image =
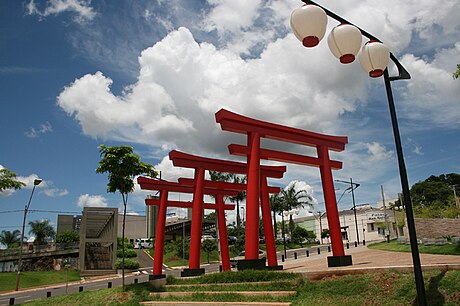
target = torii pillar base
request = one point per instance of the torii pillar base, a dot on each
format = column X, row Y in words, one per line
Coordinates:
column 187, row 272
column 275, row 268
column 339, row 261
column 156, row 276
column 251, row 264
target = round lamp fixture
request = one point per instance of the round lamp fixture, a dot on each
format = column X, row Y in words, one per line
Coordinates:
column 309, row 24
column 374, row 58
column 344, row 42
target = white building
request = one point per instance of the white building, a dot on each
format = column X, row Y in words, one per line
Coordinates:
column 368, row 224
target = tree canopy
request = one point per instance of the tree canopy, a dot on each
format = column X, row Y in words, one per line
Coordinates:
column 457, row 73
column 10, row 239
column 434, row 197
column 42, row 230
column 122, row 165
column 8, row 180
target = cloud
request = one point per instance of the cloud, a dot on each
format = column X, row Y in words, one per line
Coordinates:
column 86, row 200
column 81, row 9
column 42, row 129
column 379, row 152
column 55, row 192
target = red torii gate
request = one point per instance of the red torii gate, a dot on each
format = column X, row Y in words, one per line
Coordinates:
column 165, row 187
column 255, row 130
column 266, row 216
column 200, row 164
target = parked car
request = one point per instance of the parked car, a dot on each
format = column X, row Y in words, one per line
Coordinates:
column 207, row 237
column 143, row 243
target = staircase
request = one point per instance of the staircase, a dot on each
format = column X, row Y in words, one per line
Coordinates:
column 254, row 294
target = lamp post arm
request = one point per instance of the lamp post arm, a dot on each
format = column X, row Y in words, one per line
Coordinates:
column 403, row 74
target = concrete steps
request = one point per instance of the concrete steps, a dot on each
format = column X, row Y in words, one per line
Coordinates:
column 186, row 292
column 243, row 293
column 169, row 303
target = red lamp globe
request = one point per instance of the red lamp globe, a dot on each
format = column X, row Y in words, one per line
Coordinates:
column 344, row 42
column 309, row 24
column 374, row 58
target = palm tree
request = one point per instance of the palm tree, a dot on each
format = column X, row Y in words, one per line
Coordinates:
column 10, row 239
column 276, row 206
column 232, row 178
column 42, row 230
column 295, row 199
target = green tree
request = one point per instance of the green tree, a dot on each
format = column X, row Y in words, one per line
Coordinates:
column 10, row 239
column 300, row 234
column 42, row 230
column 325, row 233
column 68, row 237
column 8, row 180
column 456, row 74
column 208, row 246
column 295, row 199
column 236, row 179
column 122, row 165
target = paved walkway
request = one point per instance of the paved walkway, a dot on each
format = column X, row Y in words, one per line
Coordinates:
column 365, row 260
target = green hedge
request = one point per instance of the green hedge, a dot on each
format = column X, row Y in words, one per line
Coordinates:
column 131, row 264
column 129, row 253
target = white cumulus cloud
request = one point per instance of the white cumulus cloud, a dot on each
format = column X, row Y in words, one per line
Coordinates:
column 86, row 200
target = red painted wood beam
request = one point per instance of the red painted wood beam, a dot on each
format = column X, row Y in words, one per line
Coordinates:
column 181, row 204
column 181, row 159
column 268, row 154
column 152, row 184
column 237, row 123
column 224, row 185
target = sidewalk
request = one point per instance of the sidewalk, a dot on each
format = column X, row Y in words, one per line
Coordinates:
column 368, row 260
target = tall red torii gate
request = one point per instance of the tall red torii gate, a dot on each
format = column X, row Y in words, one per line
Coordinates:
column 165, row 187
column 200, row 164
column 257, row 129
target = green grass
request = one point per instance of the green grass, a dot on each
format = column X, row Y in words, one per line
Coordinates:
column 33, row 279
column 234, row 277
column 448, row 249
column 388, row 288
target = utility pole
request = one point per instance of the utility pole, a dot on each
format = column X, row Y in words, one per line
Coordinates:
column 385, row 214
column 457, row 202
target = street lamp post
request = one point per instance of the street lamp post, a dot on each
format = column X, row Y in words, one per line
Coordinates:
column 287, row 213
column 320, row 215
column 353, row 186
column 309, row 26
column 26, row 208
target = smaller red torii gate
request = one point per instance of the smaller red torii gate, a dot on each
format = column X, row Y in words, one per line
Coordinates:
column 257, row 129
column 266, row 216
column 165, row 187
column 200, row 164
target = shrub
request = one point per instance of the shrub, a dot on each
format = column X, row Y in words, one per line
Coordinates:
column 129, row 253
column 130, row 264
column 67, row 237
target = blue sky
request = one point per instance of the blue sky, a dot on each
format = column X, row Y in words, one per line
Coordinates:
column 151, row 74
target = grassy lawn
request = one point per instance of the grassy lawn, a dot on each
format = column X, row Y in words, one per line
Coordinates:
column 448, row 249
column 33, row 279
column 388, row 288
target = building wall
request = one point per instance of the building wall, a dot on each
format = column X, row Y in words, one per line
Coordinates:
column 436, row 228
column 136, row 227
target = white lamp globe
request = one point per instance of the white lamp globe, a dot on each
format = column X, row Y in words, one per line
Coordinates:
column 374, row 58
column 309, row 24
column 344, row 42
